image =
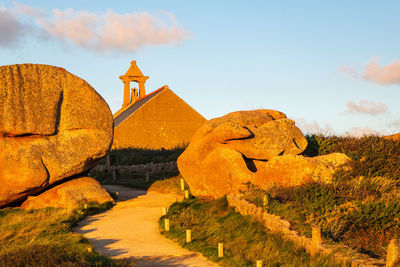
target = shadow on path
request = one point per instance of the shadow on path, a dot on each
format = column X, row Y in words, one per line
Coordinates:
column 130, row 229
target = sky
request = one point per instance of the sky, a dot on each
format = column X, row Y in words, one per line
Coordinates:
column 331, row 66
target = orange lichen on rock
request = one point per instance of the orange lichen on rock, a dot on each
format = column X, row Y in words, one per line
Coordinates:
column 259, row 146
column 53, row 125
column 394, row 137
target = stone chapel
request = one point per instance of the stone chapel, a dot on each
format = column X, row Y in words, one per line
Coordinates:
column 158, row 120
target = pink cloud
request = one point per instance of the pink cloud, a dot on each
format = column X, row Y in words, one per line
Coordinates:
column 383, row 75
column 11, row 29
column 389, row 74
column 107, row 31
column 366, row 107
column 364, row 131
column 313, row 127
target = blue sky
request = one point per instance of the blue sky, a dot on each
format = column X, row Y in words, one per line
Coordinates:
column 332, row 66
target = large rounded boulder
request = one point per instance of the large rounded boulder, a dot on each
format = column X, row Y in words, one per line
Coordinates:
column 53, row 125
column 259, row 146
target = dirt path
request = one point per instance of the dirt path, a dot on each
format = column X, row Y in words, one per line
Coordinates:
column 130, row 229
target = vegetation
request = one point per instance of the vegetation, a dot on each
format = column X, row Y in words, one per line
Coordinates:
column 136, row 180
column 245, row 240
column 171, row 185
column 361, row 208
column 45, row 238
column 135, row 156
column 372, row 155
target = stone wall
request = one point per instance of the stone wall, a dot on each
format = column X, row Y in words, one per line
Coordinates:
column 341, row 253
column 140, row 168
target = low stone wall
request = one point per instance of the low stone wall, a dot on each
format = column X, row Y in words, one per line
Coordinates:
column 140, row 168
column 341, row 253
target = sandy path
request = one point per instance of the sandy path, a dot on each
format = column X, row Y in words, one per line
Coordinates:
column 130, row 229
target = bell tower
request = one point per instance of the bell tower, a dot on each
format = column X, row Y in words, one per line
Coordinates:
column 133, row 74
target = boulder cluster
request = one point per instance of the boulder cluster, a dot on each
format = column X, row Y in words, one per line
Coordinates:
column 53, row 127
column 260, row 146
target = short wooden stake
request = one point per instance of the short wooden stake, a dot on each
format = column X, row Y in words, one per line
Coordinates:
column 164, row 211
column 166, row 224
column 182, row 185
column 186, row 194
column 188, row 236
column 393, row 253
column 316, row 237
column 108, row 162
column 114, row 171
column 259, row 263
column 220, row 250
column 147, row 177
column 265, row 201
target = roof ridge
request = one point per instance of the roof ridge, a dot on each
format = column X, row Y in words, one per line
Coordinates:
column 120, row 116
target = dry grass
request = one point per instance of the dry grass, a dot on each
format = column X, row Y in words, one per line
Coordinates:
column 245, row 240
column 169, row 186
column 44, row 237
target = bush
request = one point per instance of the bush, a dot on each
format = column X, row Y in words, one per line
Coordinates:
column 372, row 155
column 135, row 156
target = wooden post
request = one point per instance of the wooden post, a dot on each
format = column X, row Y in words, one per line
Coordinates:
column 188, row 236
column 182, row 185
column 114, row 175
column 316, row 238
column 166, row 224
column 393, row 253
column 265, row 201
column 147, row 177
column 108, row 162
column 259, row 263
column 186, row 194
column 164, row 211
column 220, row 250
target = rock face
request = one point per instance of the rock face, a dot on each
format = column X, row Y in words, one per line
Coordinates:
column 259, row 146
column 69, row 195
column 394, row 137
column 53, row 125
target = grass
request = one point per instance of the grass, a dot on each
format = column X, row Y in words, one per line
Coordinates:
column 361, row 208
column 44, row 237
column 169, row 186
column 135, row 180
column 134, row 157
column 245, row 240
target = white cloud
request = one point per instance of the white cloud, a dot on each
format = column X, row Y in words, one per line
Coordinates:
column 107, row 31
column 11, row 29
column 364, row 131
column 366, row 107
column 313, row 127
column 383, row 75
column 27, row 10
column 395, row 124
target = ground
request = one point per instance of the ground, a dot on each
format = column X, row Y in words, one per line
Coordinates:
column 130, row 229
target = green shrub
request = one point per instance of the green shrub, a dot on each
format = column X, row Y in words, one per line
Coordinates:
column 372, row 155
column 135, row 156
